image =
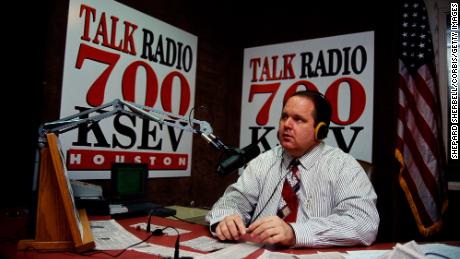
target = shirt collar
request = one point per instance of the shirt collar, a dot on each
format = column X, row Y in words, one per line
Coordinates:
column 307, row 160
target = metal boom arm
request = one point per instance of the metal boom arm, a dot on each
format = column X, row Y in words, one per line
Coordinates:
column 118, row 106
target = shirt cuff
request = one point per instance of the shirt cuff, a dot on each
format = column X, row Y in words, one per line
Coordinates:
column 305, row 234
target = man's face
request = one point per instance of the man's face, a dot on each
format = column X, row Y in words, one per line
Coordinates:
column 296, row 126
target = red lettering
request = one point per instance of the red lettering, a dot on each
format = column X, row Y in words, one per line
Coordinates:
column 270, row 69
column 129, row 39
column 254, row 64
column 113, row 34
column 293, row 88
column 288, row 69
column 166, row 93
column 89, row 13
column 129, row 83
column 83, row 159
column 95, row 95
column 357, row 100
column 274, row 64
column 272, row 89
column 108, row 37
column 265, row 70
column 102, row 31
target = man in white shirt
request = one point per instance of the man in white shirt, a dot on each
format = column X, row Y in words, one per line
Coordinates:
column 325, row 199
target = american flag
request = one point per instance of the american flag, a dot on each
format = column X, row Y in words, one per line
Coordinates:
column 419, row 143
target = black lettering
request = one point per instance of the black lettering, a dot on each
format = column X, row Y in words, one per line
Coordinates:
column 307, row 58
column 262, row 139
column 172, row 136
column 147, row 46
column 179, row 55
column 187, row 51
column 346, row 55
column 320, row 65
column 170, row 52
column 159, row 50
column 335, row 62
column 354, row 63
column 124, row 130
column 146, row 132
column 84, row 129
column 341, row 141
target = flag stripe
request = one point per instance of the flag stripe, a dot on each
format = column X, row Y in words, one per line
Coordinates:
column 416, row 199
column 425, row 145
column 415, row 125
column 424, row 186
column 418, row 143
column 416, row 164
column 422, row 111
column 424, row 82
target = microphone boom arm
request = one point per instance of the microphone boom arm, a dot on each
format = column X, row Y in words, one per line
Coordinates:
column 203, row 128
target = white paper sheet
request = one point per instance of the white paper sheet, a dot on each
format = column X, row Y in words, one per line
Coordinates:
column 109, row 235
column 365, row 254
column 163, row 251
column 206, row 244
column 168, row 231
column 320, row 255
column 240, row 250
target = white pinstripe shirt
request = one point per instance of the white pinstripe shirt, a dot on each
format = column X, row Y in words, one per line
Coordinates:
column 337, row 200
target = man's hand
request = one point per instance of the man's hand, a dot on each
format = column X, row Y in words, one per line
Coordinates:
column 231, row 228
column 272, row 230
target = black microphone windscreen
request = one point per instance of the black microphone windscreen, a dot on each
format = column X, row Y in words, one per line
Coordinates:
column 242, row 157
column 251, row 152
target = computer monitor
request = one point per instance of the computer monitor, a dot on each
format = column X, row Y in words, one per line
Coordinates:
column 128, row 181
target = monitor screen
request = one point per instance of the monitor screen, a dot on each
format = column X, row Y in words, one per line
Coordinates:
column 128, row 181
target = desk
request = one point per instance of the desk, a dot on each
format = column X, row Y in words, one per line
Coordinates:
column 195, row 215
column 8, row 249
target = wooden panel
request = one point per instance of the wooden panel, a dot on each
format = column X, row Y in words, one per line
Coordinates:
column 59, row 225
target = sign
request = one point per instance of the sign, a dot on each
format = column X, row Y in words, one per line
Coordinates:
column 340, row 67
column 115, row 52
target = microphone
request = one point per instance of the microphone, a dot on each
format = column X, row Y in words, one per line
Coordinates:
column 147, row 228
column 238, row 159
column 214, row 141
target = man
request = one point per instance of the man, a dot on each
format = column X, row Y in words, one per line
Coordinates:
column 302, row 193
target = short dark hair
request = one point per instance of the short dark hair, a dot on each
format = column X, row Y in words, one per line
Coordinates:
column 323, row 109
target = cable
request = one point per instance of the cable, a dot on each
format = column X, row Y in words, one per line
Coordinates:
column 274, row 190
column 190, row 118
column 273, row 193
column 271, row 196
column 159, row 232
column 436, row 254
column 155, row 232
column 121, row 252
column 147, row 228
column 176, row 245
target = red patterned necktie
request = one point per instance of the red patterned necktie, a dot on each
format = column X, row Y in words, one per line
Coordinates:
column 288, row 210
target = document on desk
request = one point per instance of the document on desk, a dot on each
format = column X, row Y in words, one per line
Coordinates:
column 163, row 251
column 117, row 208
column 320, row 255
column 167, row 230
column 109, row 235
column 409, row 250
column 239, row 250
column 365, row 254
column 206, row 244
column 437, row 250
